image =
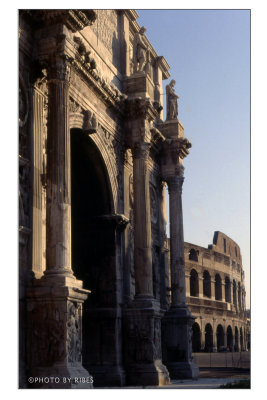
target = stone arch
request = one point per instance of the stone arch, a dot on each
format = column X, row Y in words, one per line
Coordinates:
column 227, row 289
column 206, row 284
column 194, row 285
column 95, row 250
column 208, row 337
column 196, row 337
column 218, row 287
column 76, row 122
column 220, row 337
column 229, row 335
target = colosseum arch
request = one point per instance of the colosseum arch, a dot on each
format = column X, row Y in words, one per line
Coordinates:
column 218, row 287
column 206, row 284
column 220, row 337
column 227, row 289
column 194, row 285
column 229, row 335
column 196, row 337
column 208, row 337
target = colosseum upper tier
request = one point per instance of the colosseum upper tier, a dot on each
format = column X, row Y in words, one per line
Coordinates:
column 215, row 293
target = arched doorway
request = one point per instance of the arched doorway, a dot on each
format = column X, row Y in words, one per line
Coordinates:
column 229, row 338
column 196, row 338
column 194, row 283
column 220, row 337
column 94, row 257
column 208, row 337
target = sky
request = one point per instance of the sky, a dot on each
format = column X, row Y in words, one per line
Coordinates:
column 209, row 55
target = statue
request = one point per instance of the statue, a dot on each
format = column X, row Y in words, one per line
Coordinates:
column 140, row 50
column 172, row 97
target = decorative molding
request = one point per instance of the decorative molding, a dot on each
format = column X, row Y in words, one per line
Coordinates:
column 75, row 20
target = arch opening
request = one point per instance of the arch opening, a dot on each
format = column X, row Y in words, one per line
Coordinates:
column 94, row 249
column 206, row 284
column 220, row 337
column 229, row 335
column 218, row 287
column 208, row 338
column 194, row 288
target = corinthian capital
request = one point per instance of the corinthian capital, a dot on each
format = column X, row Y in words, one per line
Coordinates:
column 175, row 184
column 141, row 150
column 59, row 68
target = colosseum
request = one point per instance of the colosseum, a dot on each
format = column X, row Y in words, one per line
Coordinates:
column 215, row 294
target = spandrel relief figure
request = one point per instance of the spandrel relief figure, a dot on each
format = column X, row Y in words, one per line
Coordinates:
column 140, row 50
column 172, row 101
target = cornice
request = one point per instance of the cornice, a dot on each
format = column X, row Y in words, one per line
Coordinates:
column 75, row 20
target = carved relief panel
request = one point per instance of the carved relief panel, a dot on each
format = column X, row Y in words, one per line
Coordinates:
column 106, row 29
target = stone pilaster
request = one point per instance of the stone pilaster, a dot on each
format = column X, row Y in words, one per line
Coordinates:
column 54, row 302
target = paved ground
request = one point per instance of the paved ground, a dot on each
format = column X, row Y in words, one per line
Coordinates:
column 215, row 369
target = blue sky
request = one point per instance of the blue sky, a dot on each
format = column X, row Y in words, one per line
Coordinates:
column 209, row 55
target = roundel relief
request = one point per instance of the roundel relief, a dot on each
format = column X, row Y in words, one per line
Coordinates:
column 154, row 205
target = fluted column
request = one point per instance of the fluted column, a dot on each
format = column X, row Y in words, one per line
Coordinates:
column 58, row 170
column 142, row 222
column 177, row 241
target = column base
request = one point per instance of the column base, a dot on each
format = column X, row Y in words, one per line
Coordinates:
column 54, row 334
column 60, row 376
column 183, row 370
column 177, row 343
column 106, row 376
column 153, row 374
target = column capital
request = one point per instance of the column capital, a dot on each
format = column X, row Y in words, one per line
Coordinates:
column 141, row 150
column 59, row 68
column 175, row 183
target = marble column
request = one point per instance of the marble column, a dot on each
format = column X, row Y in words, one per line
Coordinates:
column 142, row 222
column 58, row 172
column 177, row 242
column 177, row 323
column 54, row 302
